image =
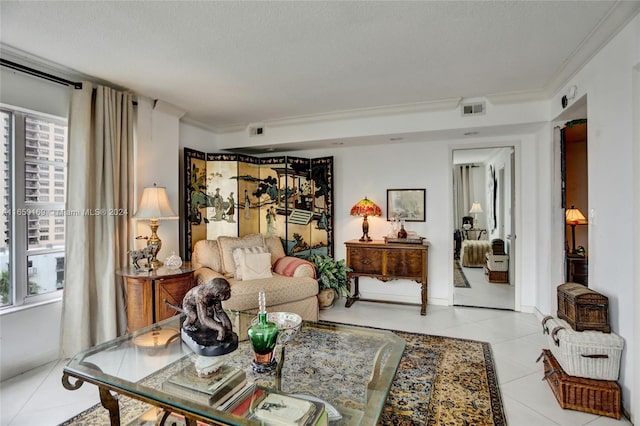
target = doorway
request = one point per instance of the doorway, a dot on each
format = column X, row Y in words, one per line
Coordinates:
column 484, row 224
column 575, row 200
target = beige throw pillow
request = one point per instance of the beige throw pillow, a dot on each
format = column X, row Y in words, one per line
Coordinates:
column 274, row 246
column 227, row 244
column 257, row 266
column 207, row 254
column 239, row 258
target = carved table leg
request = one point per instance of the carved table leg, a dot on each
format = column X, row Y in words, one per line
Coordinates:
column 423, row 307
column 67, row 384
column 110, row 403
column 165, row 415
column 354, row 294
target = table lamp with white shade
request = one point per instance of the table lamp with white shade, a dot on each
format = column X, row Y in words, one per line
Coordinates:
column 154, row 205
column 475, row 209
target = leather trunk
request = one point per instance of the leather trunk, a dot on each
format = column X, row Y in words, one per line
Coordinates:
column 583, row 308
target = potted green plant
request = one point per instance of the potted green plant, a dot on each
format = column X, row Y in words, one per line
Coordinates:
column 332, row 278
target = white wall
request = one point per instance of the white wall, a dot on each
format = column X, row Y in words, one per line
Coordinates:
column 635, row 346
column 18, row 89
column 395, row 123
column 416, row 165
column 608, row 82
column 196, row 138
column 157, row 161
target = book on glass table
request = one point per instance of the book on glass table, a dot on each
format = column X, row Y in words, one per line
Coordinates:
column 278, row 409
column 213, row 390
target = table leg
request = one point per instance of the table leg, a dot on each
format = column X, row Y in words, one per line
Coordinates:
column 423, row 307
column 110, row 403
column 68, row 385
column 165, row 415
column 355, row 295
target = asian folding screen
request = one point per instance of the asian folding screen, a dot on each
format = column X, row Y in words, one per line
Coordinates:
column 237, row 195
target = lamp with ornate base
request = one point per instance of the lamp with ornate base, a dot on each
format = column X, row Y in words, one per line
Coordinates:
column 574, row 217
column 365, row 207
column 154, row 205
column 475, row 209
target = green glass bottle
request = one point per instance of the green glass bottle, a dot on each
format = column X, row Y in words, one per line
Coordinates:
column 263, row 336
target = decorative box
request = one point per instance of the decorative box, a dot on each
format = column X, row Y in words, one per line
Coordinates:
column 600, row 397
column 589, row 354
column 583, row 308
column 497, row 246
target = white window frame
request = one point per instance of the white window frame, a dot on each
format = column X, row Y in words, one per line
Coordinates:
column 19, row 247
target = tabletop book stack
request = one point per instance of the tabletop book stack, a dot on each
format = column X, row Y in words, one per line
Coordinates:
column 227, row 390
column 214, row 390
column 259, row 405
column 273, row 408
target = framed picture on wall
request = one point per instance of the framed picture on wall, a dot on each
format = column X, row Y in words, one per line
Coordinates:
column 406, row 204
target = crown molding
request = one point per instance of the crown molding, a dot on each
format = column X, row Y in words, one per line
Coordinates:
column 41, row 64
column 518, row 97
column 186, row 119
column 418, row 107
column 609, row 26
column 168, row 108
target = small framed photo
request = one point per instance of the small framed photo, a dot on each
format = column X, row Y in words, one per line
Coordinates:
column 406, row 204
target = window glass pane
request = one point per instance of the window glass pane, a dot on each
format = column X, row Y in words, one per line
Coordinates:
column 5, row 199
column 45, row 273
column 39, row 177
column 37, row 142
column 39, row 230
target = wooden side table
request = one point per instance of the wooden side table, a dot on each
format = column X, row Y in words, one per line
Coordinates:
column 386, row 262
column 148, row 290
column 577, row 269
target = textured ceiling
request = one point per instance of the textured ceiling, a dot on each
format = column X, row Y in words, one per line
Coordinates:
column 233, row 63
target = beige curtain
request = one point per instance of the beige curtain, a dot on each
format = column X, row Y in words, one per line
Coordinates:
column 461, row 193
column 100, row 187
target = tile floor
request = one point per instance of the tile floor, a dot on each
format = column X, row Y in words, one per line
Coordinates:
column 482, row 293
column 37, row 398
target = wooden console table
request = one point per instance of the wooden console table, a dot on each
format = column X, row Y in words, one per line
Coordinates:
column 147, row 291
column 386, row 262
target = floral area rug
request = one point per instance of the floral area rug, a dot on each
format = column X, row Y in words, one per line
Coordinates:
column 459, row 279
column 440, row 381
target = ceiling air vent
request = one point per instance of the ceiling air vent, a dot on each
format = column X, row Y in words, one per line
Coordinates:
column 473, row 109
column 256, row 129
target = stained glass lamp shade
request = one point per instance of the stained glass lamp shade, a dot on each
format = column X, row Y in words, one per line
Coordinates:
column 365, row 208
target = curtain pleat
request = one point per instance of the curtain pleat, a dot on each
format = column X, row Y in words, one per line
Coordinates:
column 462, row 193
column 100, row 181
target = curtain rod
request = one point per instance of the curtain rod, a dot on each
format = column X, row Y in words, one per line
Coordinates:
column 40, row 74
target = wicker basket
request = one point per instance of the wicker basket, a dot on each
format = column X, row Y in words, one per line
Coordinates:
column 600, row 397
column 588, row 354
column 498, row 262
column 501, row 277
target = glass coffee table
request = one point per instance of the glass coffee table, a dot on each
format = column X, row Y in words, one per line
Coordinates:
column 349, row 367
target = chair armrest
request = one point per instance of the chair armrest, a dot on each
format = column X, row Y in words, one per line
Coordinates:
column 204, row 275
column 294, row 267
